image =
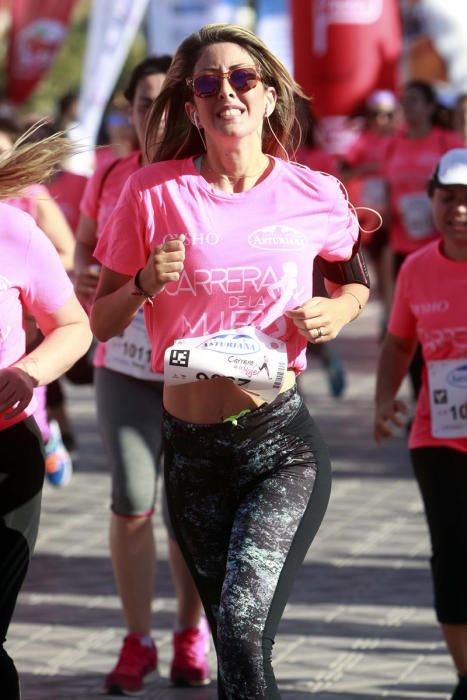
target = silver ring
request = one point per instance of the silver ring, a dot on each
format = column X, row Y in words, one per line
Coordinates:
column 320, row 332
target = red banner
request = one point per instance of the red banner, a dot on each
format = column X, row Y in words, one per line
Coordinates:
column 38, row 28
column 345, row 49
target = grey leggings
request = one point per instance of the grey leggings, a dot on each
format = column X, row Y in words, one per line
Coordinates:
column 246, row 502
column 129, row 413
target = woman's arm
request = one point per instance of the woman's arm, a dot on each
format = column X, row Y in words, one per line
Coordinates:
column 67, row 338
column 85, row 264
column 394, row 360
column 118, row 298
column 52, row 221
column 329, row 315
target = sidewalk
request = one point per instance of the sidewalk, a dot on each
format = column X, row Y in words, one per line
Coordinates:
column 359, row 624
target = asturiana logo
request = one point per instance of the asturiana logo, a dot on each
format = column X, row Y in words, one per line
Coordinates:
column 231, row 343
column 458, row 376
column 280, row 238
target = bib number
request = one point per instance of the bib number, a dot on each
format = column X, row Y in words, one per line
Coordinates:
column 130, row 352
column 248, row 357
column 374, row 193
column 447, row 384
column 416, row 215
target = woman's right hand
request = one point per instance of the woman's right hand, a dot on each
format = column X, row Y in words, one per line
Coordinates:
column 85, row 283
column 16, row 391
column 389, row 414
column 165, row 264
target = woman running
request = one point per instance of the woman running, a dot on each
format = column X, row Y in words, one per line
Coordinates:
column 427, row 310
column 34, row 282
column 129, row 413
column 217, row 240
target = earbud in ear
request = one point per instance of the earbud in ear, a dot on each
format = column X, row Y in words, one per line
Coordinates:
column 196, row 119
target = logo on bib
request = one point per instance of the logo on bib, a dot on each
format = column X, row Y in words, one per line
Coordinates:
column 231, row 343
column 280, row 238
column 458, row 376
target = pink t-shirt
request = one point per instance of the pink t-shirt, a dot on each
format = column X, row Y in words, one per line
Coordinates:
column 249, row 255
column 428, row 303
column 317, row 159
column 100, row 199
column 409, row 164
column 370, row 189
column 104, row 187
column 27, row 200
column 67, row 188
column 32, row 278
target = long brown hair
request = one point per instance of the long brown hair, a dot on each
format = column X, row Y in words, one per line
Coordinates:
column 169, row 132
column 27, row 163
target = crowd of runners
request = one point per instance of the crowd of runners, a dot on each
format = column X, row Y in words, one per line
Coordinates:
column 214, row 249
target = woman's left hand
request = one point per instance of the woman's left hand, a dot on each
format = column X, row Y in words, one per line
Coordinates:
column 16, row 390
column 320, row 319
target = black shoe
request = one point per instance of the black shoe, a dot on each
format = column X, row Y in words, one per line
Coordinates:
column 9, row 681
column 460, row 691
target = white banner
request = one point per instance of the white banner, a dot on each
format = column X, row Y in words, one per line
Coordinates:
column 113, row 26
column 274, row 27
column 169, row 22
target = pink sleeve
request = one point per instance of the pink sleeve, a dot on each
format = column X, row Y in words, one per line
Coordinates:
column 89, row 204
column 453, row 140
column 354, row 154
column 47, row 286
column 124, row 243
column 342, row 226
column 402, row 321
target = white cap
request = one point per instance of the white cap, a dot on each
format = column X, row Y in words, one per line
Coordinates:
column 382, row 99
column 452, row 168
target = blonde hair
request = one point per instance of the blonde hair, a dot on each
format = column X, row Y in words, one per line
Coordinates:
column 27, row 163
column 169, row 132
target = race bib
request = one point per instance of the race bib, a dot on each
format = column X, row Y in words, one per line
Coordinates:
column 447, row 385
column 374, row 193
column 130, row 352
column 248, row 357
column 416, row 215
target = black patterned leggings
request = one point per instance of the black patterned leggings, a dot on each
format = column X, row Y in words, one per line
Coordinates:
column 245, row 502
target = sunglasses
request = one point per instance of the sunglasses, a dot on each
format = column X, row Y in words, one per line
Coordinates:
column 208, row 84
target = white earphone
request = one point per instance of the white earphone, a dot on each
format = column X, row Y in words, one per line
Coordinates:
column 196, row 119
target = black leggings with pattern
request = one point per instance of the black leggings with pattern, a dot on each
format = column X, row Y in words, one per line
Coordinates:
column 245, row 502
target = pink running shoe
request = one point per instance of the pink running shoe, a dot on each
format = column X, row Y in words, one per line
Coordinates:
column 136, row 664
column 190, row 662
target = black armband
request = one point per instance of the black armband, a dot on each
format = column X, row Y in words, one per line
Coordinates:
column 346, row 271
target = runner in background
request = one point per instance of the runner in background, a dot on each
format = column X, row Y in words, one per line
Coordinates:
column 459, row 118
column 217, row 239
column 428, row 308
column 66, row 189
column 129, row 408
column 37, row 202
column 311, row 154
column 410, row 159
column 363, row 174
column 32, row 282
column 117, row 136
